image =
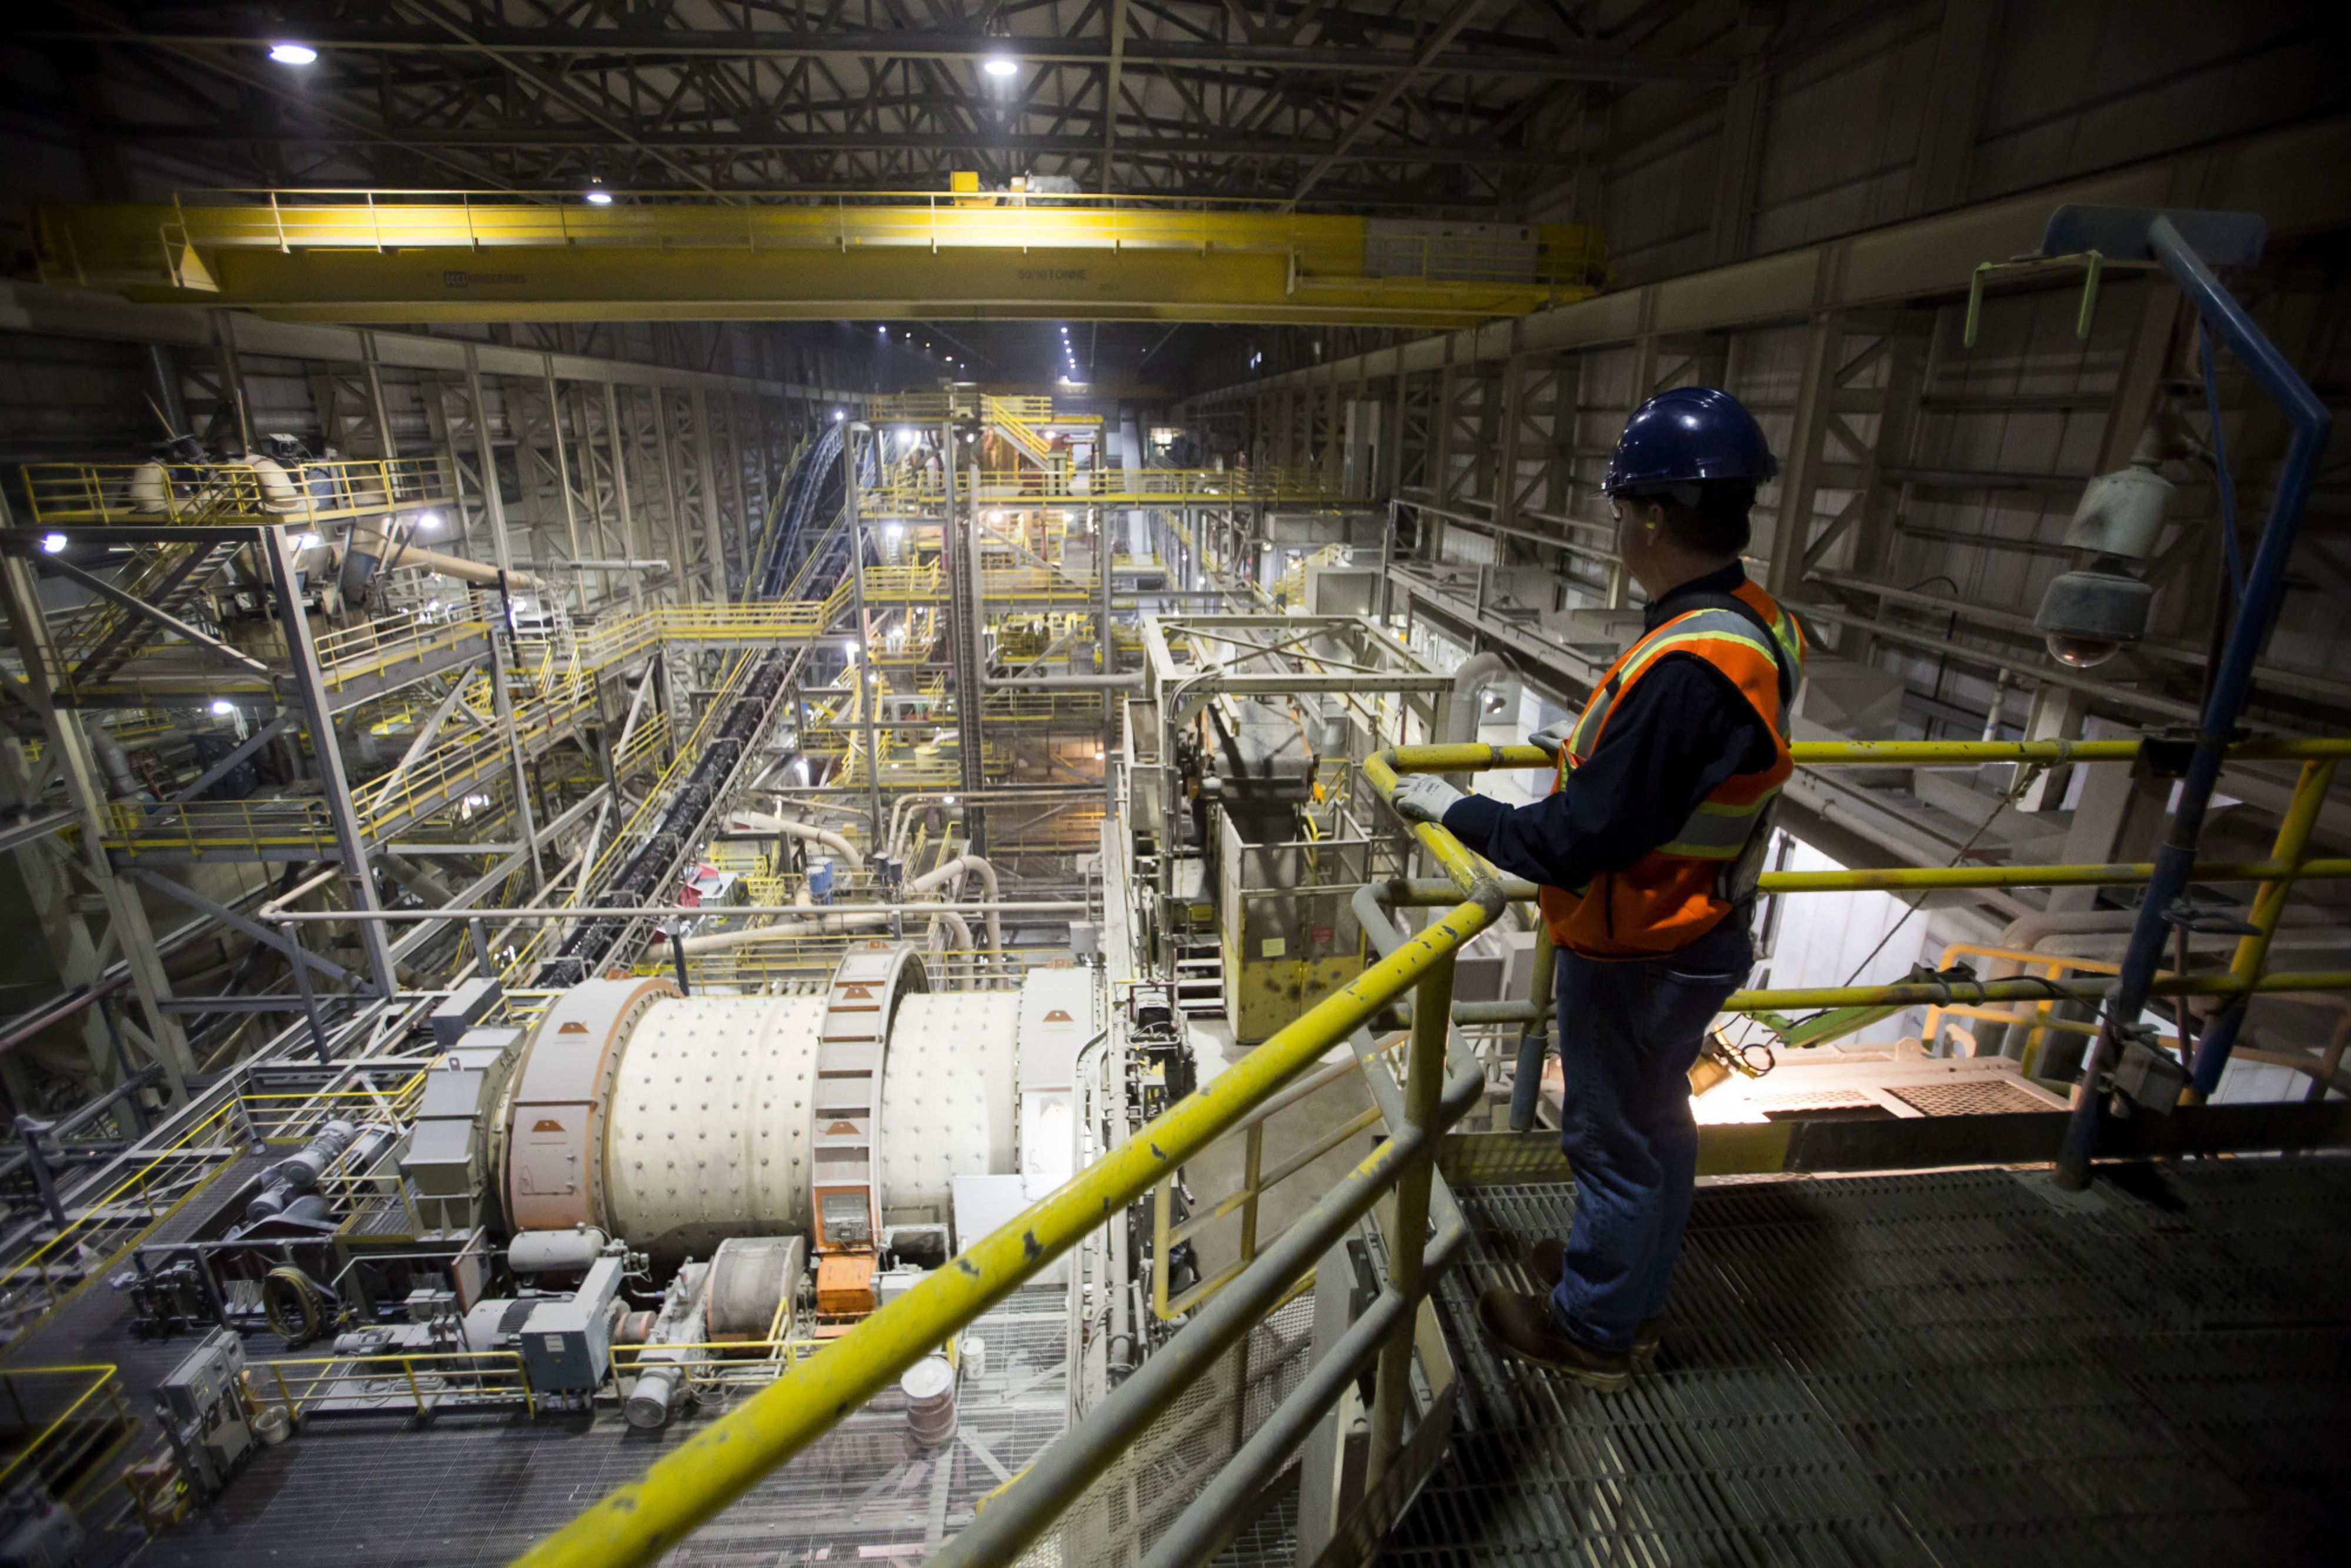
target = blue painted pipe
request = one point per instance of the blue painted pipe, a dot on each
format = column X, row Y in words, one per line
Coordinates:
column 2264, row 584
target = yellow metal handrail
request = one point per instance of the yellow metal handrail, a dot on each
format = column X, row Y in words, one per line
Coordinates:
column 106, row 1228
column 199, row 493
column 630, row 835
column 466, row 1372
column 372, row 647
column 2036, row 1018
column 41, row 1451
column 902, row 492
column 641, row 1520
column 719, row 1463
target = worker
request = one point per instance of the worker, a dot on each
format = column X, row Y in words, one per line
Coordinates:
column 1647, row 850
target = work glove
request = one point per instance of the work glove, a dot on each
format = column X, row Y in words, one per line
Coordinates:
column 1424, row 798
column 1551, row 736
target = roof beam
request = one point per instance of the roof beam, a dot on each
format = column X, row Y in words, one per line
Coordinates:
column 1434, row 45
column 852, row 141
column 636, row 47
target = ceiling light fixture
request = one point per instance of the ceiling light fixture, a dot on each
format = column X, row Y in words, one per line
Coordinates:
column 597, row 196
column 1001, row 65
column 292, row 54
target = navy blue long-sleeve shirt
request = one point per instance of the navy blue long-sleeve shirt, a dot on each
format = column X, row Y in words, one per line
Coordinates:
column 1673, row 736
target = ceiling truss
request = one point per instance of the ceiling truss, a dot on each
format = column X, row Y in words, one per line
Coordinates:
column 1456, row 105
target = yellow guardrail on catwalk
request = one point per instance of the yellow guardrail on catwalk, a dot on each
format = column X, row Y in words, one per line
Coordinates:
column 150, row 1192
column 418, row 1381
column 720, row 1462
column 423, row 639
column 327, row 490
column 287, row 822
column 630, row 835
column 902, row 492
column 67, row 1417
column 639, row 1521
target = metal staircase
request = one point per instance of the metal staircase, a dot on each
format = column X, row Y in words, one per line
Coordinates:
column 105, row 636
column 1200, row 977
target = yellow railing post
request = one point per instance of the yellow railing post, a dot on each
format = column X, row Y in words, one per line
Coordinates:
column 1431, row 1012
column 2289, row 853
column 1251, row 1161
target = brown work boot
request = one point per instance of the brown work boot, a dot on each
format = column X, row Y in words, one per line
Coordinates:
column 1546, row 1260
column 1524, row 1327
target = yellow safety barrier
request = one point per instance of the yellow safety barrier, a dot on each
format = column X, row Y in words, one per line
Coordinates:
column 720, row 1462
column 631, row 834
column 2037, row 1018
column 421, row 1381
column 639, row 1522
column 105, row 1229
column 295, row 1116
column 1014, row 489
column 1166, row 1233
column 199, row 493
column 381, row 646
column 731, row 1365
column 66, row 1420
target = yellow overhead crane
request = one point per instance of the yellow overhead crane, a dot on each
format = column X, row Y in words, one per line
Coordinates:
column 370, row 256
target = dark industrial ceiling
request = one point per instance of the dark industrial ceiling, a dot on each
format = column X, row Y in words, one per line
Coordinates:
column 1463, row 106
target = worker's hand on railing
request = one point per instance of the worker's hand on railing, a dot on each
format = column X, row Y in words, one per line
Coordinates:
column 1424, row 798
column 1551, row 736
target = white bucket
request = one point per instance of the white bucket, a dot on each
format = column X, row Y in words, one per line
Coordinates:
column 929, row 1388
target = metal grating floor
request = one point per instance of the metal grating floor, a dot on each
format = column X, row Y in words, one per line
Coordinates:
column 1956, row 1368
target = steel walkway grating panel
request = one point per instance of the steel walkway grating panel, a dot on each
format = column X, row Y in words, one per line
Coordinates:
column 1959, row 1368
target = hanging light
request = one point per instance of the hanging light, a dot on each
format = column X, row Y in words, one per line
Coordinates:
column 52, row 543
column 292, row 54
column 597, row 196
column 1001, row 65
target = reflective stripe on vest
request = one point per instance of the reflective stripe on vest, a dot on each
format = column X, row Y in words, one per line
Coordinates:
column 1699, row 625
column 1717, row 830
column 1677, row 891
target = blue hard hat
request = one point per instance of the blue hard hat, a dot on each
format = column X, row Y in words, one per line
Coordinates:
column 1686, row 435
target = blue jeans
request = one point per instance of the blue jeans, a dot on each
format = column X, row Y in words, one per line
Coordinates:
column 1628, row 1032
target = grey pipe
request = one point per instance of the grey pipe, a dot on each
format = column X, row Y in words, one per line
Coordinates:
column 115, row 762
column 1473, row 675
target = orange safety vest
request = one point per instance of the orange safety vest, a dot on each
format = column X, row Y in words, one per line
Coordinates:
column 1681, row 890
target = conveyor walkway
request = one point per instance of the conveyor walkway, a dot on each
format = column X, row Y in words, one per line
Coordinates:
column 1965, row 1367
